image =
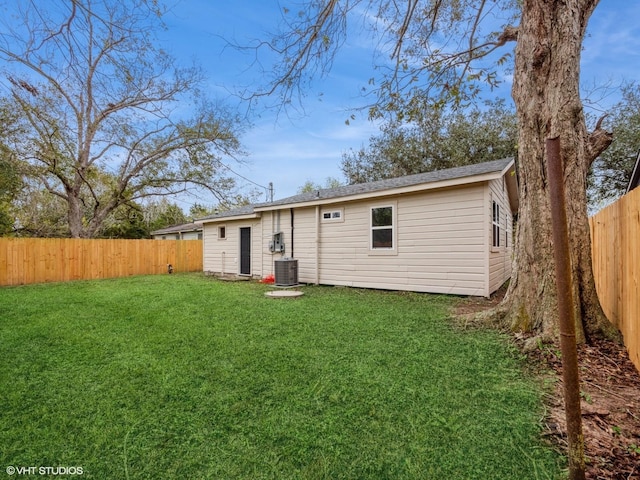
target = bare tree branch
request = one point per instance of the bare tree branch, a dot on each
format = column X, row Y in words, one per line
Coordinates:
column 598, row 141
column 97, row 103
column 418, row 34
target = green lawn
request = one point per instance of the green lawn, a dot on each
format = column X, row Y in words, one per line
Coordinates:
column 184, row 377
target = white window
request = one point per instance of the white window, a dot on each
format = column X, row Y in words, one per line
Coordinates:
column 383, row 229
column 222, row 232
column 333, row 215
column 496, row 225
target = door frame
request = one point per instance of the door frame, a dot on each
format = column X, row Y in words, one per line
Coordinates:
column 245, row 252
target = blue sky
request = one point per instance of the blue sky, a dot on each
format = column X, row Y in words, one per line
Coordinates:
column 289, row 150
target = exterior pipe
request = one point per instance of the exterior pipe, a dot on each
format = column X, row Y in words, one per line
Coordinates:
column 566, row 313
column 317, row 261
column 291, row 212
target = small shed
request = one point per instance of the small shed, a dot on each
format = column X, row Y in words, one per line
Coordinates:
column 448, row 231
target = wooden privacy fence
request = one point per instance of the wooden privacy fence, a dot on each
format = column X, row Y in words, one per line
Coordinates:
column 615, row 235
column 36, row 260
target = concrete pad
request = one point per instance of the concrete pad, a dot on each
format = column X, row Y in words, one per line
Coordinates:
column 284, row 294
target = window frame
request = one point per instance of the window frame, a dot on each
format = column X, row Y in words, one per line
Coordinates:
column 222, row 232
column 496, row 228
column 393, row 250
column 332, row 215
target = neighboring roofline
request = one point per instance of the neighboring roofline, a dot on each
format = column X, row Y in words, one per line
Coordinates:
column 634, row 181
column 246, row 212
column 229, row 218
column 182, row 228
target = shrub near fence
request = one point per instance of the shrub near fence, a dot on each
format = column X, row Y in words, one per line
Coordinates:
column 615, row 235
column 37, row 260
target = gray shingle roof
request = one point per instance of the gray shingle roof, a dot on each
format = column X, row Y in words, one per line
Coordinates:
column 371, row 187
column 398, row 182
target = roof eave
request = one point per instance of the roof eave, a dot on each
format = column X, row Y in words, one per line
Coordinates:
column 197, row 227
column 453, row 182
column 176, row 231
column 230, row 218
column 511, row 179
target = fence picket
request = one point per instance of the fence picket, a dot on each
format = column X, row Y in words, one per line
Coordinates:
column 38, row 260
column 615, row 235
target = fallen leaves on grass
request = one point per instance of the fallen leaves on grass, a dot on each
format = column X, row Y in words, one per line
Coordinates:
column 610, row 392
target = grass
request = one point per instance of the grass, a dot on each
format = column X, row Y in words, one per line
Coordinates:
column 185, row 377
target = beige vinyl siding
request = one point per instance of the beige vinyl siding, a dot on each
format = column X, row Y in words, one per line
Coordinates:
column 269, row 222
column 190, row 236
column 274, row 222
column 303, row 236
column 440, row 245
column 215, row 258
column 500, row 258
column 257, row 251
column 305, row 243
column 223, row 255
column 442, row 240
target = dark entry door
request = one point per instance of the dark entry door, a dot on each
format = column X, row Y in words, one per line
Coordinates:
column 245, row 251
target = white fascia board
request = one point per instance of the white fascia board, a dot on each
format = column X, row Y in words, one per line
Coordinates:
column 454, row 182
column 510, row 175
column 248, row 216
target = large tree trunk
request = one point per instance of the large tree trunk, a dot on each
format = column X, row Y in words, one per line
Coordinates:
column 546, row 94
column 75, row 217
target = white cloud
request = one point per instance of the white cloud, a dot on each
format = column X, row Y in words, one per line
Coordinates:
column 290, row 152
column 612, row 46
column 289, row 155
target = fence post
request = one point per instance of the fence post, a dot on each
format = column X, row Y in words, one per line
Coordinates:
column 566, row 313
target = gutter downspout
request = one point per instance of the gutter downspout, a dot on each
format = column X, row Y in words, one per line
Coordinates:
column 291, row 213
column 317, row 245
column 272, row 257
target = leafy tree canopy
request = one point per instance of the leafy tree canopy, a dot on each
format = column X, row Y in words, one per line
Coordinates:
column 39, row 213
column 436, row 139
column 10, row 182
column 612, row 169
column 311, row 186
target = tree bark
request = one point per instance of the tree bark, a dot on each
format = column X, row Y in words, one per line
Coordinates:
column 548, row 104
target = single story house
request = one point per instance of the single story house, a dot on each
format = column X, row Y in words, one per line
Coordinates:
column 184, row 231
column 447, row 231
